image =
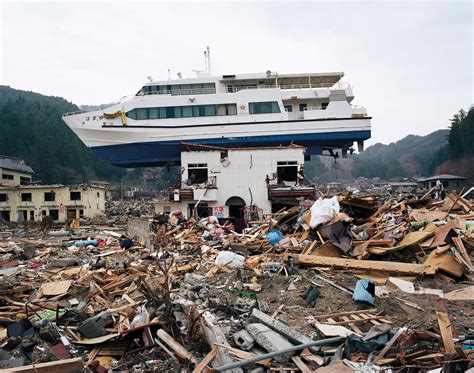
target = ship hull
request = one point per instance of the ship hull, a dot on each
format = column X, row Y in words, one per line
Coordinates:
column 155, row 153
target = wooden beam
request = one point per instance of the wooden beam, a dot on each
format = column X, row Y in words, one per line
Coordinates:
column 392, row 267
column 59, row 366
column 207, row 359
column 445, row 327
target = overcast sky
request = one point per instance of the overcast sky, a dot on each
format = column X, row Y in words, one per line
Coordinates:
column 410, row 62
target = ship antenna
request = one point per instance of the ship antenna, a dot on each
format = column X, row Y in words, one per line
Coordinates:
column 207, row 59
column 169, row 74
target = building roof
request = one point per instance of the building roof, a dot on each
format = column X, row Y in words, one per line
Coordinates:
column 51, row 186
column 15, row 164
column 442, row 177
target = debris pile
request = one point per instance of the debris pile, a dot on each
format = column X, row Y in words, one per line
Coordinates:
column 341, row 284
column 123, row 209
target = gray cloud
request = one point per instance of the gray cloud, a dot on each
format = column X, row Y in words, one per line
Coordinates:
column 410, row 62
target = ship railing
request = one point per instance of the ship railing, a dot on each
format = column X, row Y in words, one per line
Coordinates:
column 120, row 100
column 234, row 89
column 180, row 92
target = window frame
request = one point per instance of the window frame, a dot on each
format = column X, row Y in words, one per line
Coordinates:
column 23, row 199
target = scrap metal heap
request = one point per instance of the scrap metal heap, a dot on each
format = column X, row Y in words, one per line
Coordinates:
column 336, row 285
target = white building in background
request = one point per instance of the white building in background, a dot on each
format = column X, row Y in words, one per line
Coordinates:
column 221, row 181
column 20, row 200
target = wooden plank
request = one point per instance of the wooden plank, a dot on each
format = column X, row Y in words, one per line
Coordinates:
column 392, row 267
column 371, row 319
column 176, row 346
column 352, row 325
column 445, row 326
column 207, row 359
column 364, row 318
column 319, row 317
column 301, row 365
column 59, row 366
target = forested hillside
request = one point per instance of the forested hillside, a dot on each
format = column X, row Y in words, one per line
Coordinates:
column 444, row 151
column 31, row 128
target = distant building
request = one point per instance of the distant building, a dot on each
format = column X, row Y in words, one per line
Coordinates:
column 450, row 182
column 403, row 187
column 20, row 200
column 14, row 171
column 224, row 182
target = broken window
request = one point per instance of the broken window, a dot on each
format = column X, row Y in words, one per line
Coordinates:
column 75, row 196
column 3, row 197
column 26, row 197
column 71, row 214
column 54, row 214
column 32, row 215
column 25, row 180
column 81, row 213
column 49, row 196
column 7, row 177
column 5, row 215
column 203, row 210
column 197, row 173
column 287, row 172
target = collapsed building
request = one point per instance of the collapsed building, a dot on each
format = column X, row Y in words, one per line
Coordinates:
column 237, row 182
column 22, row 200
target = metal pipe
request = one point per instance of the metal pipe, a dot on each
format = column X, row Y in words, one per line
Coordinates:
column 277, row 353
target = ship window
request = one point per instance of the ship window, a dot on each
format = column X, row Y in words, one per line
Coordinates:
column 192, row 111
column 187, row 111
column 169, row 112
column 264, row 107
column 324, row 105
column 154, row 113
column 231, row 109
column 209, row 110
column 132, row 114
column 142, row 113
column 221, row 110
column 289, row 108
column 302, row 107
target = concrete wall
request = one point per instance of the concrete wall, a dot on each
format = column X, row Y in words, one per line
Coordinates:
column 244, row 175
column 90, row 204
column 16, row 177
column 139, row 229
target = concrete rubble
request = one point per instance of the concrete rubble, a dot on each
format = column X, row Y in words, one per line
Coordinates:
column 340, row 284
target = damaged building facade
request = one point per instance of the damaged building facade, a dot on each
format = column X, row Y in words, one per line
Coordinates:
column 21, row 200
column 222, row 182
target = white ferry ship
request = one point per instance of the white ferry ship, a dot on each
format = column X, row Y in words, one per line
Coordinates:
column 263, row 109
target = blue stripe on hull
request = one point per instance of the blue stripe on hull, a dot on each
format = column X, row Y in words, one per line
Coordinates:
column 157, row 153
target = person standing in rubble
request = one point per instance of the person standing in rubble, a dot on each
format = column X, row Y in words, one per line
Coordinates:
column 439, row 191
